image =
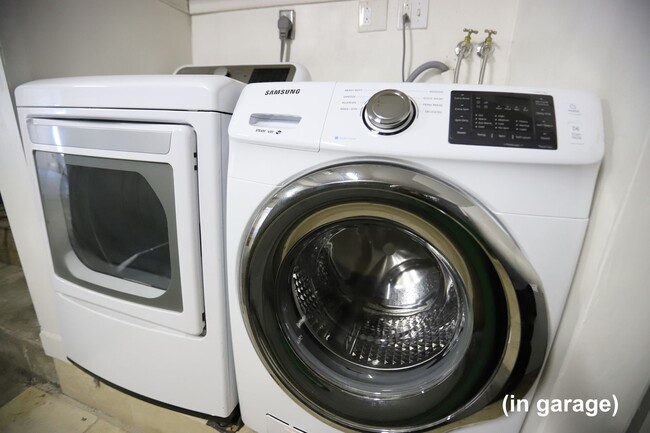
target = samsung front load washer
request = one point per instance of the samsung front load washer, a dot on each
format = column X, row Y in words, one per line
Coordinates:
column 399, row 255
column 129, row 172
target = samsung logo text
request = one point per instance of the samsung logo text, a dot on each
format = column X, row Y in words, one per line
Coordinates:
column 282, row 92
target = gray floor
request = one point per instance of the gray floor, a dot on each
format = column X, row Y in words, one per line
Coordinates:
column 21, row 352
column 22, row 361
column 12, row 382
column 30, row 399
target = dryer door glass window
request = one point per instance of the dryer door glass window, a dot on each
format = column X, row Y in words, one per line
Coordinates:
column 111, row 225
column 117, row 225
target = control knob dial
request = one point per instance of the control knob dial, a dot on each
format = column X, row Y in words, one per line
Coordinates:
column 389, row 111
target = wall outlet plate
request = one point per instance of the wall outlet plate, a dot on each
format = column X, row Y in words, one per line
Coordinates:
column 418, row 12
column 372, row 15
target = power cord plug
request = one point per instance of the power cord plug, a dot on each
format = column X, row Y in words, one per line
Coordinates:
column 284, row 27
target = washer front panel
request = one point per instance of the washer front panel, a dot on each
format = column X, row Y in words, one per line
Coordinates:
column 311, row 130
column 378, row 306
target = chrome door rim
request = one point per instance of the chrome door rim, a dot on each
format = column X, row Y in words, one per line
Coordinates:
column 403, row 182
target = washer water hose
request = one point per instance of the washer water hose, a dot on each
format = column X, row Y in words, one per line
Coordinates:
column 463, row 50
column 426, row 66
column 484, row 51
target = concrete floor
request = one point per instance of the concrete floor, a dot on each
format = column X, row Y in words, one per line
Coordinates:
column 30, row 399
column 20, row 345
column 42, row 409
column 22, row 360
column 12, row 382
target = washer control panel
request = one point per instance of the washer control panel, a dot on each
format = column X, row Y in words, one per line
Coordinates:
column 502, row 119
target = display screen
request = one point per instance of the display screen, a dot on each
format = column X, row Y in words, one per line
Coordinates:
column 266, row 75
column 502, row 119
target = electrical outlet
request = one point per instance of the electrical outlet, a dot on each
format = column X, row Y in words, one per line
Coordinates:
column 372, row 15
column 291, row 14
column 418, row 12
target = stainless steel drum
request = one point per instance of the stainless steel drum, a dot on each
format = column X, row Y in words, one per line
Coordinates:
column 376, row 295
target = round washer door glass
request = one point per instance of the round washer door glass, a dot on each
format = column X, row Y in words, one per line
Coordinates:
column 378, row 304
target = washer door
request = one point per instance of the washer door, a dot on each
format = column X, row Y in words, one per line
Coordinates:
column 377, row 297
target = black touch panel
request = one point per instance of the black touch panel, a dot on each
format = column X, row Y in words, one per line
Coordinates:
column 265, row 75
column 502, row 119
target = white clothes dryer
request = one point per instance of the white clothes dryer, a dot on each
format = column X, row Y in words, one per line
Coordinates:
column 130, row 174
column 399, row 255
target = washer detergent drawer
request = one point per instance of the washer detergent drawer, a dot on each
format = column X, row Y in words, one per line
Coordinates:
column 120, row 204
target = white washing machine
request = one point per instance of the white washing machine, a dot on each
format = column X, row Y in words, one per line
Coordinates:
column 399, row 255
column 129, row 171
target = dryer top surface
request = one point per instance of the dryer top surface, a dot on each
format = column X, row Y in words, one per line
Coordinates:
column 153, row 92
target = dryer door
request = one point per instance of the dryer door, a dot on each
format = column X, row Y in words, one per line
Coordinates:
column 121, row 213
column 379, row 298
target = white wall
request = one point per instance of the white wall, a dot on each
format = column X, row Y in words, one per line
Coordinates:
column 327, row 41
column 44, row 39
column 602, row 347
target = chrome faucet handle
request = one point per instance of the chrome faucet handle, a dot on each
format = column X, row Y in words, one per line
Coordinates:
column 485, row 48
column 489, row 36
column 464, row 47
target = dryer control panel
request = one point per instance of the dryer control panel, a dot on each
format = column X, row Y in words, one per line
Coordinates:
column 248, row 74
column 502, row 119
